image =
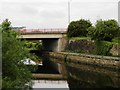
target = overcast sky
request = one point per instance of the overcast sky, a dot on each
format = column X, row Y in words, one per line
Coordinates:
column 54, row 13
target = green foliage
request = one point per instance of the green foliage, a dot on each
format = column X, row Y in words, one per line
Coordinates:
column 29, row 45
column 15, row 73
column 39, row 46
column 6, row 25
column 116, row 40
column 32, row 68
column 33, row 45
column 78, row 28
column 91, row 32
column 34, row 57
column 103, row 48
column 104, row 30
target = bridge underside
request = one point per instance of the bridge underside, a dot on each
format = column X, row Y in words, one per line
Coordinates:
column 51, row 41
column 49, row 44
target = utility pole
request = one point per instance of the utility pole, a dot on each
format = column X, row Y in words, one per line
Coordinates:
column 119, row 13
column 69, row 11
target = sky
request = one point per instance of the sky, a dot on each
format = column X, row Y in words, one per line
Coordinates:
column 54, row 13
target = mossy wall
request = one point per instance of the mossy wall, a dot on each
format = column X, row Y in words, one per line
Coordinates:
column 91, row 47
column 81, row 46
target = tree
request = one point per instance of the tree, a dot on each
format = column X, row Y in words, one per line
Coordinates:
column 104, row 30
column 78, row 28
column 91, row 32
column 15, row 73
column 6, row 25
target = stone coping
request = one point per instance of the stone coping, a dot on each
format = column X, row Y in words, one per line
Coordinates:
column 91, row 56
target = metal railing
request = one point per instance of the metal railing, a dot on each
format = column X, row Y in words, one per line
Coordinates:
column 52, row 30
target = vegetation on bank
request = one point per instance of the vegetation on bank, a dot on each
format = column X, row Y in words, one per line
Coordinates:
column 78, row 38
column 29, row 46
column 105, row 34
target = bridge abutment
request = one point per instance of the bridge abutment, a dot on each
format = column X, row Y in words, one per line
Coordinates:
column 54, row 45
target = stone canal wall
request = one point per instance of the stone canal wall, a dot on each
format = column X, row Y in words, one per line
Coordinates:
column 85, row 46
column 89, row 46
column 94, row 60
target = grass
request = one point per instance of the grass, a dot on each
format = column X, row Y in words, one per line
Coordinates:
column 79, row 38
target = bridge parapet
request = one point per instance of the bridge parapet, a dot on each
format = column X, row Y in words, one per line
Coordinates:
column 51, row 30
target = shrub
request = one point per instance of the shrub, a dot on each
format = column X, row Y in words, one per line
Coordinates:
column 32, row 68
column 78, row 28
column 91, row 32
column 104, row 30
column 116, row 40
column 103, row 48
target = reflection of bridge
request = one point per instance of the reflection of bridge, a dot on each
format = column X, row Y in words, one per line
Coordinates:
column 52, row 39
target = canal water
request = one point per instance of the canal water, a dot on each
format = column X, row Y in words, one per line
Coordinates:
column 79, row 76
column 50, row 84
column 47, row 83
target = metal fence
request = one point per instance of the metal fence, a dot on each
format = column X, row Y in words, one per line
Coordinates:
column 52, row 30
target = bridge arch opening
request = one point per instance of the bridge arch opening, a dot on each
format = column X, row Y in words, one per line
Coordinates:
column 48, row 44
column 51, row 45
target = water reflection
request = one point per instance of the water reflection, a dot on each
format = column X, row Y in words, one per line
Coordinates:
column 85, row 76
column 50, row 84
column 85, row 79
column 80, row 75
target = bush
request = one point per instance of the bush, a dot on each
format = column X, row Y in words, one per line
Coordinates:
column 104, row 30
column 33, row 45
column 32, row 68
column 91, row 32
column 78, row 28
column 103, row 48
column 116, row 40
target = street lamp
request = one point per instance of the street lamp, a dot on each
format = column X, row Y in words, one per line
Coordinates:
column 69, row 11
column 119, row 13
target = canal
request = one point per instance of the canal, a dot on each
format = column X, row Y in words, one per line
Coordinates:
column 48, row 77
column 74, row 76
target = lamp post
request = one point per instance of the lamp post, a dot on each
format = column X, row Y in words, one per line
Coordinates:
column 119, row 13
column 69, row 11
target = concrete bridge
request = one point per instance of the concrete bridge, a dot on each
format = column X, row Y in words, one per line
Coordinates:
column 52, row 39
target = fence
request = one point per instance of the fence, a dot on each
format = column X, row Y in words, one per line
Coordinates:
column 52, row 30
